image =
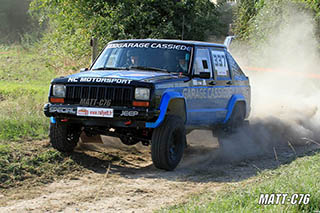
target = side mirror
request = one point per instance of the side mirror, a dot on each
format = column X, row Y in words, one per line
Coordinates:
column 204, row 75
column 84, row 69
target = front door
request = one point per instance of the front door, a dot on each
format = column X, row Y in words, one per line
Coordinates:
column 200, row 93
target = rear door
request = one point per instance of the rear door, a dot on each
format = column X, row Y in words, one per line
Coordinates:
column 223, row 88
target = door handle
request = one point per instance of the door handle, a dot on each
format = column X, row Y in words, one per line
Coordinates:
column 212, row 83
column 229, row 82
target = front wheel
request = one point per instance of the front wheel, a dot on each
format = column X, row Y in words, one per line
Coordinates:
column 168, row 142
column 64, row 137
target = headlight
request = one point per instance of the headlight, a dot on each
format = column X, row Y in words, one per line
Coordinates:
column 142, row 94
column 59, row 90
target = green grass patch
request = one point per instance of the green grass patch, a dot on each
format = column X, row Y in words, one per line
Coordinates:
column 24, row 81
column 21, row 115
column 27, row 128
column 30, row 161
column 25, row 75
column 17, row 90
column 25, row 66
column 300, row 176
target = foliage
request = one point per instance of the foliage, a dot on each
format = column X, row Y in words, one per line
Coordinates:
column 16, row 24
column 246, row 12
column 73, row 23
column 226, row 15
column 256, row 19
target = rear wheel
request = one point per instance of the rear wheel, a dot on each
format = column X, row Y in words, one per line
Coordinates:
column 64, row 137
column 236, row 120
column 237, row 117
column 168, row 142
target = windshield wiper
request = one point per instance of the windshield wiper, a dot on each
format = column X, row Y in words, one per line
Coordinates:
column 149, row 68
column 111, row 68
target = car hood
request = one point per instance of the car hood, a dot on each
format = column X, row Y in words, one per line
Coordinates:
column 135, row 75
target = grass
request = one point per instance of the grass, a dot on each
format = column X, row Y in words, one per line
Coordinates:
column 25, row 76
column 32, row 161
column 24, row 81
column 24, row 66
column 21, row 114
column 24, row 165
column 300, row 176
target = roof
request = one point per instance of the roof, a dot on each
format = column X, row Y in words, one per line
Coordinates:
column 185, row 42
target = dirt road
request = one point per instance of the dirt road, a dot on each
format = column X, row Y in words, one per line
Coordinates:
column 133, row 184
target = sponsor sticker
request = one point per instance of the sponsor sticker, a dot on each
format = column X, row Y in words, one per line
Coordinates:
column 95, row 112
column 150, row 45
column 129, row 113
column 95, row 102
column 220, row 62
column 66, row 110
column 99, row 80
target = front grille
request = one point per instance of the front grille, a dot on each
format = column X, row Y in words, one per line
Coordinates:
column 119, row 96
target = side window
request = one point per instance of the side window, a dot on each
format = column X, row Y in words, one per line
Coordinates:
column 236, row 70
column 220, row 63
column 202, row 62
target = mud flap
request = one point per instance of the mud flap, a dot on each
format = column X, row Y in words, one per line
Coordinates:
column 92, row 139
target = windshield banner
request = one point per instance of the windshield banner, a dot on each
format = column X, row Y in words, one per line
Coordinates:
column 151, row 45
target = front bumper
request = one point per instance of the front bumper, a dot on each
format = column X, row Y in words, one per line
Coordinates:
column 120, row 114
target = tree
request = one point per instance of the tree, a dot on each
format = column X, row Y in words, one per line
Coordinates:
column 257, row 18
column 14, row 20
column 72, row 23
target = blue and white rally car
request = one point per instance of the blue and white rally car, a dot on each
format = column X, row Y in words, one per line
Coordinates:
column 150, row 91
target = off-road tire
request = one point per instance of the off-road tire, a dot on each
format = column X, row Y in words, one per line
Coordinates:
column 168, row 143
column 63, row 137
column 237, row 118
column 235, row 121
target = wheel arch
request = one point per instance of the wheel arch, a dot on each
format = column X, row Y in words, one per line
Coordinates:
column 234, row 100
column 171, row 103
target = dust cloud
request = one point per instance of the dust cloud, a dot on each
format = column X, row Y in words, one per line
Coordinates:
column 284, row 74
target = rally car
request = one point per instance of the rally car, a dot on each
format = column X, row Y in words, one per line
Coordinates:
column 149, row 91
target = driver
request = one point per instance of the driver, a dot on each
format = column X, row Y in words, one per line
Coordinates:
column 132, row 58
column 182, row 65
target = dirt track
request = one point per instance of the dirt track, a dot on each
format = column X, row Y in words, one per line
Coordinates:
column 132, row 184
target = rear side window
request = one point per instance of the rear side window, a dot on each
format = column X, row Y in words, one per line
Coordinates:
column 236, row 70
column 202, row 61
column 220, row 63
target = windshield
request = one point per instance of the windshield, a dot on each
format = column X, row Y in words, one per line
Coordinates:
column 153, row 56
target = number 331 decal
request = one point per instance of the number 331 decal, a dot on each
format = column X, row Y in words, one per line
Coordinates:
column 220, row 62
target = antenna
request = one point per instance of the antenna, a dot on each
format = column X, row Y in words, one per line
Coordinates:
column 182, row 33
